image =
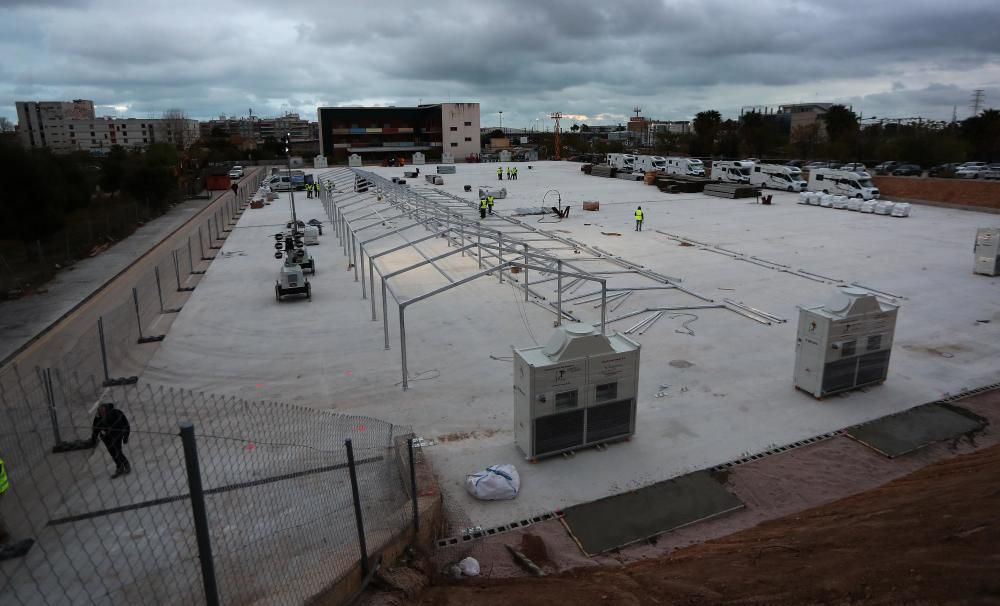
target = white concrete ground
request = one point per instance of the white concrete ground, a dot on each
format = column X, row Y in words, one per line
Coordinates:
column 730, row 383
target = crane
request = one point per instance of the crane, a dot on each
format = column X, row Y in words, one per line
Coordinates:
column 557, row 116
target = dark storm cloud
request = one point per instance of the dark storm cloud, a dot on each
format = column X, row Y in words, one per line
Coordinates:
column 527, row 58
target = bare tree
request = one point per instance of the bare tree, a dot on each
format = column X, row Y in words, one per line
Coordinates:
column 176, row 123
column 6, row 126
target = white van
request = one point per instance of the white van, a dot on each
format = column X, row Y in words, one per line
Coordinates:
column 279, row 183
column 847, row 183
column 731, row 171
column 691, row 167
column 651, row 163
column 776, row 176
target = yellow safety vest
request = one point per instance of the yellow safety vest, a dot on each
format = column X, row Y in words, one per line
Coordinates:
column 499, row 170
column 482, row 203
column 638, row 214
column 4, row 483
column 489, row 200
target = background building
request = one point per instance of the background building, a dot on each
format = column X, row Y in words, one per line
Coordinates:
column 377, row 133
column 69, row 126
column 260, row 129
column 792, row 116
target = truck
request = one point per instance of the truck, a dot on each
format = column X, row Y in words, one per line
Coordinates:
column 691, row 167
column 731, row 171
column 299, row 179
column 776, row 176
column 651, row 163
column 623, row 162
column 843, row 182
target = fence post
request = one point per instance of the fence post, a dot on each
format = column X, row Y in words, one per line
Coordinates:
column 104, row 351
column 50, row 397
column 159, row 291
column 199, row 513
column 191, row 260
column 138, row 318
column 413, row 487
column 177, row 273
column 357, row 507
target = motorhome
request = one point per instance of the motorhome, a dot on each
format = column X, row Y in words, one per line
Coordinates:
column 623, row 162
column 691, row 167
column 651, row 163
column 847, row 183
column 776, row 176
column 731, row 171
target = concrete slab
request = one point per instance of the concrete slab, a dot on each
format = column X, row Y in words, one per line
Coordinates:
column 623, row 519
column 902, row 433
column 730, row 382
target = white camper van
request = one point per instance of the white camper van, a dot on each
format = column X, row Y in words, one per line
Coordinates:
column 623, row 162
column 776, row 176
column 691, row 167
column 843, row 182
column 731, row 171
column 654, row 163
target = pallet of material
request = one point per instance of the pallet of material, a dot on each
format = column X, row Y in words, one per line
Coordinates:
column 586, row 168
column 673, row 185
column 730, row 190
column 602, row 170
column 629, row 176
column 448, row 169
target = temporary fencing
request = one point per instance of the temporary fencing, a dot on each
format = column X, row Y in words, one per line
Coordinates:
column 228, row 501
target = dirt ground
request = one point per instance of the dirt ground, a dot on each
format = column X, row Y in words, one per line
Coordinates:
column 932, row 537
column 965, row 192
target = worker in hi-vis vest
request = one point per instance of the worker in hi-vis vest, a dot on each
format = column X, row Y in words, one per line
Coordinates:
column 489, row 204
column 482, row 208
column 638, row 219
column 499, row 173
column 515, row 173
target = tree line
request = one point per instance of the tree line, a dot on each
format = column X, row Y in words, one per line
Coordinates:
column 838, row 135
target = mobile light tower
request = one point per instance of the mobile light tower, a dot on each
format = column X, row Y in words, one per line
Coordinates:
column 501, row 120
column 287, row 140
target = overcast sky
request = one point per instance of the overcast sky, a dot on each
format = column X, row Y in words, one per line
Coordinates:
column 591, row 60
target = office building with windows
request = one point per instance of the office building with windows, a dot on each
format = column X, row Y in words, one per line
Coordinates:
column 378, row 133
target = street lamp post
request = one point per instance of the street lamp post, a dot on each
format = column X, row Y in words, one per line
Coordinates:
column 501, row 121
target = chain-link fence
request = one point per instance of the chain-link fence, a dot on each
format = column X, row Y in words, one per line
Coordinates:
column 254, row 502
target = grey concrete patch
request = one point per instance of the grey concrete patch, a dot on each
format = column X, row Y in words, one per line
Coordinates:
column 898, row 434
column 623, row 519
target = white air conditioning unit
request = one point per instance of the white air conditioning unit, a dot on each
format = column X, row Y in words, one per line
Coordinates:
column 844, row 344
column 987, row 251
column 578, row 390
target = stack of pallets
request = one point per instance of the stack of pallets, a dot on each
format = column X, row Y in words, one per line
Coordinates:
column 602, row 170
column 680, row 184
column 730, row 190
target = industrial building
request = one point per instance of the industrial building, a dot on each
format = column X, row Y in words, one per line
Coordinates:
column 377, row 133
column 70, row 126
column 793, row 116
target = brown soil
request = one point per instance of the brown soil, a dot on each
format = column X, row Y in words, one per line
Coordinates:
column 932, row 537
column 964, row 192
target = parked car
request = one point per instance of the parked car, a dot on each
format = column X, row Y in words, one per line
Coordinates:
column 992, row 172
column 796, row 163
column 970, row 170
column 815, row 165
column 944, row 170
column 236, row 172
column 886, row 167
column 855, row 167
column 908, row 170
